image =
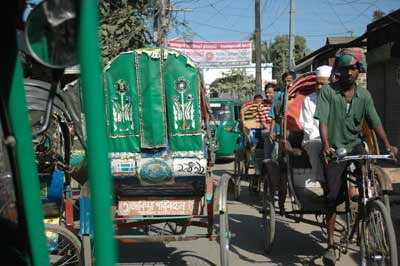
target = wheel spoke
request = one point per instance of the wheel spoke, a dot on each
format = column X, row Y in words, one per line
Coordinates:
column 378, row 236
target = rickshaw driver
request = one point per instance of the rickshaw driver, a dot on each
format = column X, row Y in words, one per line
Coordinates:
column 311, row 140
column 276, row 113
column 342, row 106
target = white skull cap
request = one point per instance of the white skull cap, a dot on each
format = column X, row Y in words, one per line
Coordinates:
column 324, row 71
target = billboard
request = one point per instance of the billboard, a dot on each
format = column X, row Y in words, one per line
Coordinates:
column 215, row 54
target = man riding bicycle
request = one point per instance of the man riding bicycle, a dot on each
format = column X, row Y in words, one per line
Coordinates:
column 342, row 107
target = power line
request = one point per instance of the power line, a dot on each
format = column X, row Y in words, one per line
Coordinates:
column 321, row 35
column 276, row 19
column 264, row 6
column 365, row 10
column 219, row 12
column 208, row 5
column 249, row 6
column 337, row 16
column 218, row 27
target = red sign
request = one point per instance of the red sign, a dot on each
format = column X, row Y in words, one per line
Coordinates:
column 215, row 53
column 167, row 206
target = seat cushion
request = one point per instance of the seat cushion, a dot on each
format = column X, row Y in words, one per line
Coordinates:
column 295, row 139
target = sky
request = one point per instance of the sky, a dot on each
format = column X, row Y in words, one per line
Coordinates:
column 233, row 20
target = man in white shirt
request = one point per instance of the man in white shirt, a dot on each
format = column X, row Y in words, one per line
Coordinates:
column 312, row 141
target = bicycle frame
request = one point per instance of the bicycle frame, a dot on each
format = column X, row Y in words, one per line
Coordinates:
column 364, row 184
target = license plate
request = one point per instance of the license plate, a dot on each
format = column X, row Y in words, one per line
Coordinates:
column 147, row 207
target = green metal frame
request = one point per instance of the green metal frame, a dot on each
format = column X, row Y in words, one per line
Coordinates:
column 97, row 148
column 13, row 95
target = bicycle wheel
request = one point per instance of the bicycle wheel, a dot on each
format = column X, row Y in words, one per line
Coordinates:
column 224, row 238
column 378, row 241
column 268, row 217
column 64, row 247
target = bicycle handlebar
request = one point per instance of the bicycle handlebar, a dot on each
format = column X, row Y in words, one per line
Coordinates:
column 366, row 157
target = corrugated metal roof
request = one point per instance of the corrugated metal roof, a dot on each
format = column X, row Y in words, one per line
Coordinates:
column 339, row 39
column 308, row 59
column 393, row 17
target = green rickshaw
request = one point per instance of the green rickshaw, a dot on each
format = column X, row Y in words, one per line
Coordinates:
column 160, row 149
column 226, row 115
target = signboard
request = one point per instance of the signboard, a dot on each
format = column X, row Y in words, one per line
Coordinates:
column 215, row 54
column 168, row 206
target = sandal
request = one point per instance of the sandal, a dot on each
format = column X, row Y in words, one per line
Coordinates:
column 329, row 258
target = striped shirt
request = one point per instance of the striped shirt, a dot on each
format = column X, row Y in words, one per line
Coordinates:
column 262, row 113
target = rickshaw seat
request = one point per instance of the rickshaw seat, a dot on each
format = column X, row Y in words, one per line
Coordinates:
column 299, row 155
column 252, row 123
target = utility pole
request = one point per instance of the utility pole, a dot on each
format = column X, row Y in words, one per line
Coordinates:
column 258, row 47
column 291, row 36
column 163, row 9
column 161, row 22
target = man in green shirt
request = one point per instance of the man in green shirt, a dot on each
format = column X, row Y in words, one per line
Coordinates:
column 342, row 107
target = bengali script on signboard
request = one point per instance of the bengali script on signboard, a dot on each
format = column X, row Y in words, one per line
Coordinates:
column 214, row 54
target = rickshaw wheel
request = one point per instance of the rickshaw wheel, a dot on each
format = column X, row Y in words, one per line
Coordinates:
column 268, row 217
column 224, row 238
column 238, row 171
column 64, row 248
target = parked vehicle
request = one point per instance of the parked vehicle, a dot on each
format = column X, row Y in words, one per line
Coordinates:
column 225, row 121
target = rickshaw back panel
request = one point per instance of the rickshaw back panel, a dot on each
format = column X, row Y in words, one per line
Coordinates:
column 154, row 124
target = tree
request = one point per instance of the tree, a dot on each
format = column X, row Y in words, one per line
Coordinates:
column 237, row 82
column 377, row 14
column 123, row 26
column 279, row 51
column 264, row 50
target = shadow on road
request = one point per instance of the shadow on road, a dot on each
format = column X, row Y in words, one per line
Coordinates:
column 141, row 254
column 224, row 160
column 302, row 249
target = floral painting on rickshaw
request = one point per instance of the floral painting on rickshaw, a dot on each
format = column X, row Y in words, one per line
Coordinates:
column 183, row 106
column 122, row 109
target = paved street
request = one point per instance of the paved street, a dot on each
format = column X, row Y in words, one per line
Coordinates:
column 295, row 244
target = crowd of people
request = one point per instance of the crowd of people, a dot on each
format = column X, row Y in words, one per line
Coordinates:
column 331, row 117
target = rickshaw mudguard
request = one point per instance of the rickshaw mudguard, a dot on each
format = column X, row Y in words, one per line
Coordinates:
column 270, row 170
column 222, row 189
